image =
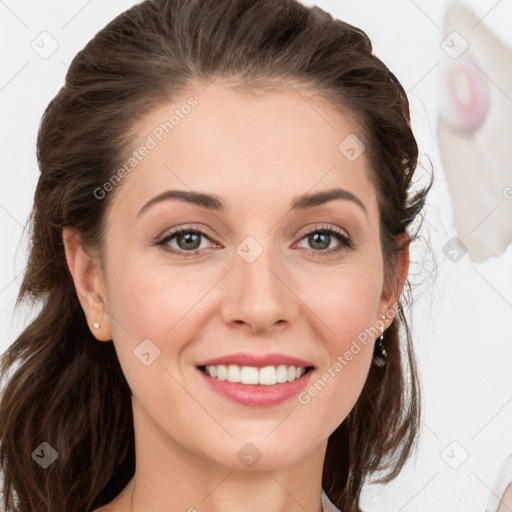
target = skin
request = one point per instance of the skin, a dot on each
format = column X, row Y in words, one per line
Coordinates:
column 506, row 500
column 257, row 152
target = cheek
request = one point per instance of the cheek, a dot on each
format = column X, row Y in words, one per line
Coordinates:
column 149, row 303
column 350, row 315
column 347, row 311
column 345, row 299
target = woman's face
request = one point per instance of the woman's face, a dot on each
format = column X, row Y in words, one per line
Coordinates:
column 252, row 274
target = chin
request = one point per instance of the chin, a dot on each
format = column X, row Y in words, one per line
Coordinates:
column 262, row 454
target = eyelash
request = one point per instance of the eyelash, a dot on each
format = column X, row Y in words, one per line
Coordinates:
column 345, row 242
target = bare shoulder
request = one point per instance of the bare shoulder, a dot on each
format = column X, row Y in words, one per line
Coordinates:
column 110, row 508
column 121, row 503
column 105, row 508
column 114, row 506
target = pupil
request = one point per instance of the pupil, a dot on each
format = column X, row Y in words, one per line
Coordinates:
column 189, row 238
column 315, row 237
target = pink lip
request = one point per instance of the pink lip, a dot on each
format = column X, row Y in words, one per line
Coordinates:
column 258, row 361
column 257, row 394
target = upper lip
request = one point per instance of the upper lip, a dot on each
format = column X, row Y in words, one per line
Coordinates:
column 257, row 360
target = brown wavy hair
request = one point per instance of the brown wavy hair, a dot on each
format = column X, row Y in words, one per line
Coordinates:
column 63, row 387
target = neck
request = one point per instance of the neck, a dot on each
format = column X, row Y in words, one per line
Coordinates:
column 251, row 506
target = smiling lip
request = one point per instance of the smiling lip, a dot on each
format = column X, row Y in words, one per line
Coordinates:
column 258, row 361
column 257, row 394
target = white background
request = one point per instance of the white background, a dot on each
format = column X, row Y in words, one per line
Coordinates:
column 462, row 314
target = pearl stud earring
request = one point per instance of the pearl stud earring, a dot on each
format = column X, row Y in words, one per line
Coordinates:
column 96, row 325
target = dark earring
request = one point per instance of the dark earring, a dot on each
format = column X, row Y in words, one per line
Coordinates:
column 379, row 358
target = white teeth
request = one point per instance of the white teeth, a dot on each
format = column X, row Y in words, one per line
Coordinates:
column 282, row 373
column 267, row 376
column 222, row 372
column 249, row 375
column 233, row 373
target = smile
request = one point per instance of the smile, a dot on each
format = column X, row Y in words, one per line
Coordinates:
column 251, row 375
column 256, row 386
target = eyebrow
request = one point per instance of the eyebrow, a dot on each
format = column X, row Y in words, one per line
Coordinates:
column 215, row 203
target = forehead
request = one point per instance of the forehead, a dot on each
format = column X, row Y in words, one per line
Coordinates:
column 254, row 147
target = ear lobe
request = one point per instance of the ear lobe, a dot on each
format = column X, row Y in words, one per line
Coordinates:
column 89, row 283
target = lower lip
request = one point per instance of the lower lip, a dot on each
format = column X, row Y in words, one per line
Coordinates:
column 258, row 395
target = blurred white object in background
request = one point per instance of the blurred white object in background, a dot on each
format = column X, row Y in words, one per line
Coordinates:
column 475, row 131
column 500, row 499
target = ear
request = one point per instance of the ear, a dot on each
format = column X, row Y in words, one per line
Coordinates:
column 89, row 283
column 389, row 299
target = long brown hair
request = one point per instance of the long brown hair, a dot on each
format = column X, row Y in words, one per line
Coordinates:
column 65, row 388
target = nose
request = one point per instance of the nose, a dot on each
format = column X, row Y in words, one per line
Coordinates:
column 258, row 295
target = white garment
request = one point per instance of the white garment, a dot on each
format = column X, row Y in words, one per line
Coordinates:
column 327, row 505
